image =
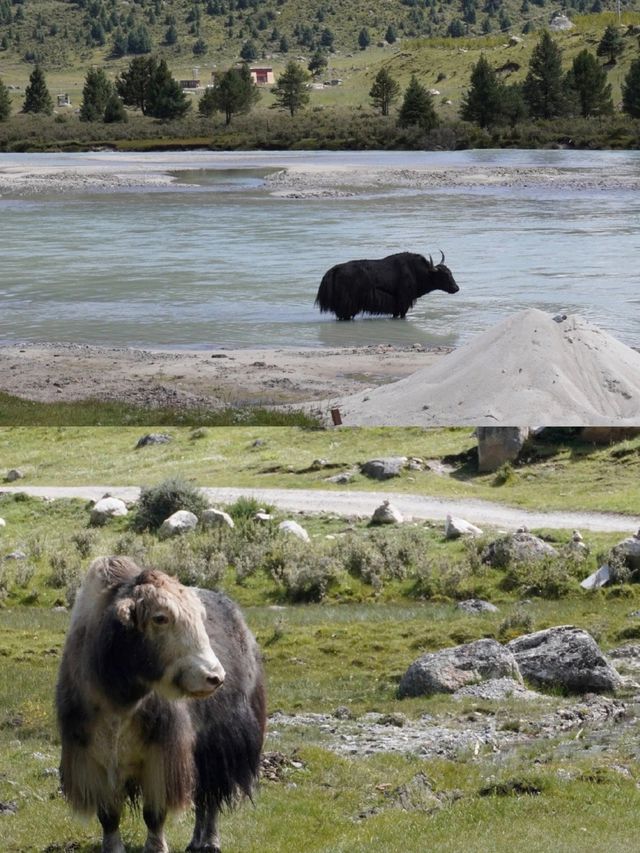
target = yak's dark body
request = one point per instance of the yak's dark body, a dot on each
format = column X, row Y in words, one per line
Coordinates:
column 389, row 285
column 122, row 740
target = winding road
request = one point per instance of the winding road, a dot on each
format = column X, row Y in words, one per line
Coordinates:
column 355, row 503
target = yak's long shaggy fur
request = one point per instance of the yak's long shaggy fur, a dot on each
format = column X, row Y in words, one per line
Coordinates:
column 389, row 285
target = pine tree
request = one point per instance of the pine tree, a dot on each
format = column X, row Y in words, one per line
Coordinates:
column 133, row 84
column 234, row 92
column 291, row 89
column 36, row 97
column 384, row 92
column 631, row 90
column 364, row 39
column 417, row 108
column 483, row 102
column 543, row 85
column 114, row 111
column 5, row 102
column 589, row 81
column 95, row 94
column 611, row 44
column 166, row 100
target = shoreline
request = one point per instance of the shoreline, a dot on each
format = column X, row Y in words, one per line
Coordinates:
column 204, row 378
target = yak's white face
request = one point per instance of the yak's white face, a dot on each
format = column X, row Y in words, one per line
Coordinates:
column 172, row 617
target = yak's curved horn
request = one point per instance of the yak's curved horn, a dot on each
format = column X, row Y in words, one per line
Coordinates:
column 430, row 262
column 442, row 253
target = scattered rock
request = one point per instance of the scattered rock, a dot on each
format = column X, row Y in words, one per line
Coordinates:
column 258, row 442
column 274, row 764
column 213, row 517
column 107, row 508
column 597, row 579
column 10, row 807
column 3, row 523
column 14, row 474
column 451, row 669
column 180, row 522
column 577, row 547
column 560, row 23
column 153, row 438
column 564, row 657
column 496, row 689
column 16, row 555
column 294, row 529
column 517, row 547
column 262, row 516
column 456, row 527
column 475, row 606
column 628, row 551
column 386, row 513
column 497, row 445
column 384, row 469
column 341, row 479
column 343, row 713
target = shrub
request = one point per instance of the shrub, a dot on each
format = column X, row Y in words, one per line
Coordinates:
column 84, row 541
column 303, row 575
column 244, row 509
column 159, row 502
column 550, row 578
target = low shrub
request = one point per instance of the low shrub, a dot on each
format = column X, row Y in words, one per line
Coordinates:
column 159, row 502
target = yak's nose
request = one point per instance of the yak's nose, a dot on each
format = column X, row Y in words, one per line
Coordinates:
column 215, row 680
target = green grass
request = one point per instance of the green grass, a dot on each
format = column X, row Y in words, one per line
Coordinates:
column 568, row 475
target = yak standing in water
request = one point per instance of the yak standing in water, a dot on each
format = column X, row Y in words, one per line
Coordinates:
column 390, row 285
column 161, row 698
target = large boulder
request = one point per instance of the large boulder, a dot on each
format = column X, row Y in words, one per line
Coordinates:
column 106, row 508
column 628, row 551
column 384, row 469
column 292, row 528
column 450, row 669
column 476, row 606
column 520, row 547
column 180, row 522
column 386, row 513
column 153, row 438
column 564, row 657
column 497, row 445
column 454, row 528
column 14, row 474
column 213, row 517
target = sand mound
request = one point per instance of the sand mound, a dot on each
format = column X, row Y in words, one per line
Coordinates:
column 527, row 370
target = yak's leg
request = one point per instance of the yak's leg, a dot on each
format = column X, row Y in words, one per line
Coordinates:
column 205, row 833
column 155, row 842
column 110, row 821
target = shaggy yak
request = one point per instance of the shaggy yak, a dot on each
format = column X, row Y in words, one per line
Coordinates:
column 390, row 285
column 160, row 697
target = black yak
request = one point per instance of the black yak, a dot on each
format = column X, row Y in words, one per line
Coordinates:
column 389, row 285
column 160, row 697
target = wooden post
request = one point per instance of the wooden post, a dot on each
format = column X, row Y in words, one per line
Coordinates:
column 336, row 417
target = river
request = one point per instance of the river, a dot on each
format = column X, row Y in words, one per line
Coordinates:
column 222, row 257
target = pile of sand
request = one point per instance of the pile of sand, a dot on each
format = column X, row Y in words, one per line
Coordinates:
column 527, row 370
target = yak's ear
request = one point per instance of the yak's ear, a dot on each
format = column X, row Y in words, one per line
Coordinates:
column 126, row 612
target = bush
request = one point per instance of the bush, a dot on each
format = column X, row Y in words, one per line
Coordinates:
column 159, row 502
column 550, row 578
column 302, row 574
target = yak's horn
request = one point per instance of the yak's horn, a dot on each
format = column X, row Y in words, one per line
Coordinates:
column 430, row 261
column 442, row 253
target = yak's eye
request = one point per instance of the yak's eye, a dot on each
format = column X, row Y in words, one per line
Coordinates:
column 160, row 619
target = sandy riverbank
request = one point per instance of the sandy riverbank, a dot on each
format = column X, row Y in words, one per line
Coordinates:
column 60, row 372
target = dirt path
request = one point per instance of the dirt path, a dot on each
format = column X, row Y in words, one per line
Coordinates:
column 418, row 507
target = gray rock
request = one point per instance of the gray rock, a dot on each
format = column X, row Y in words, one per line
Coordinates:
column 16, row 555
column 476, row 606
column 497, row 445
column 560, row 23
column 451, row 669
column 107, row 508
column 517, row 547
column 292, row 528
column 597, row 579
column 497, row 689
column 386, row 513
column 262, row 516
column 14, row 474
column 564, row 657
column 180, row 522
column 341, row 479
column 454, row 528
column 384, row 469
column 628, row 551
column 3, row 523
column 153, row 438
column 213, row 517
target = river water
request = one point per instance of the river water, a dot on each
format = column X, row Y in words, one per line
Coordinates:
column 220, row 259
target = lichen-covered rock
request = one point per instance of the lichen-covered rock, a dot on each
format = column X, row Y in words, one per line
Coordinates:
column 180, row 522
column 474, row 606
column 386, row 513
column 628, row 551
column 384, row 469
column 292, row 528
column 564, row 657
column 454, row 528
column 451, row 669
column 520, row 547
column 153, row 438
column 213, row 517
column 106, row 508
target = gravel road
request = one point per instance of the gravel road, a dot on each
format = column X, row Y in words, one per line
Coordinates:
column 354, row 503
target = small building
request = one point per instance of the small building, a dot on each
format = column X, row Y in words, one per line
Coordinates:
column 63, row 100
column 262, row 76
column 193, row 83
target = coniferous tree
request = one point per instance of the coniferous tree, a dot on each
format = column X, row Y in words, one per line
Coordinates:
column 36, row 97
column 364, row 39
column 5, row 102
column 291, row 89
column 589, row 82
column 234, row 92
column 95, row 94
column 417, row 108
column 543, row 85
column 483, row 102
column 611, row 44
column 114, row 111
column 134, row 82
column 384, row 91
column 631, row 90
column 166, row 100
column 317, row 63
column 391, row 36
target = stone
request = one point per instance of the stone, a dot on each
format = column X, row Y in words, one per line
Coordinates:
column 454, row 528
column 153, row 438
column 497, row 445
column 14, row 474
column 564, row 657
column 213, row 517
column 560, row 23
column 262, row 516
column 577, row 547
column 520, row 547
column 475, row 606
column 292, row 528
column 341, row 479
column 107, row 508
column 608, row 435
column 496, row 689
column 451, row 669
column 16, row 555
column 597, row 579
column 384, row 469
column 386, row 513
column 514, row 40
column 3, row 523
column 628, row 551
column 177, row 524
